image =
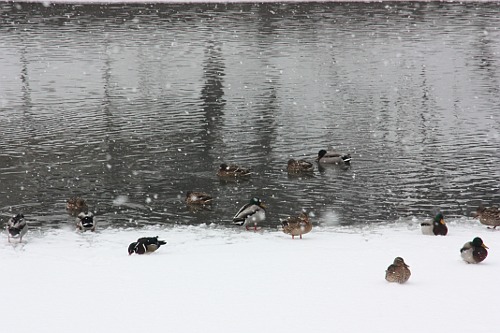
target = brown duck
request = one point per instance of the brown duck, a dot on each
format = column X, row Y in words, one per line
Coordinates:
column 299, row 166
column 398, row 271
column 489, row 216
column 76, row 205
column 297, row 225
column 232, row 171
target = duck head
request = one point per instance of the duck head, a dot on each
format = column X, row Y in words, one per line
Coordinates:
column 478, row 242
column 398, row 261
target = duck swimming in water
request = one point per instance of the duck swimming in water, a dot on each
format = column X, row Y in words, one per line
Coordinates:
column 76, row 205
column 232, row 171
column 198, row 198
column 299, row 166
column 333, row 157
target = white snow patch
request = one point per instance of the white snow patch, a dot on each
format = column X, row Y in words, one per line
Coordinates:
column 217, row 279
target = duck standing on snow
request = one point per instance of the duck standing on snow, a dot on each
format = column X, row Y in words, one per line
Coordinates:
column 198, row 198
column 85, row 221
column 253, row 212
column 474, row 252
column 145, row 245
column 299, row 166
column 435, row 227
column 297, row 225
column 489, row 216
column 76, row 205
column 232, row 171
column 333, row 157
column 398, row 272
column 16, row 227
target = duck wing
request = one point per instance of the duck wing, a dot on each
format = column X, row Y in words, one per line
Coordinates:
column 246, row 211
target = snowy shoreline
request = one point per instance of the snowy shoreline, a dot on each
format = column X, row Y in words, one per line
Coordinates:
column 218, row 279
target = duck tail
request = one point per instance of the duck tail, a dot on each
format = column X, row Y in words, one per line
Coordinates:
column 346, row 158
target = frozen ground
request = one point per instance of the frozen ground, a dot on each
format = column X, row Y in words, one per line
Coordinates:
column 217, row 279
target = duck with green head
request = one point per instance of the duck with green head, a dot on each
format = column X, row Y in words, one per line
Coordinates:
column 253, row 212
column 474, row 252
column 435, row 227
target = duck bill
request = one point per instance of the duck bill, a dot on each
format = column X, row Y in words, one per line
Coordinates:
column 442, row 222
column 485, row 246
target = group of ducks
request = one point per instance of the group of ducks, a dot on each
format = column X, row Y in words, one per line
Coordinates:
column 254, row 212
column 472, row 252
column 250, row 214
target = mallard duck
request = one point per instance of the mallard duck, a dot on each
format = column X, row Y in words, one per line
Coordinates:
column 435, row 227
column 85, row 221
column 76, row 205
column 145, row 245
column 474, row 252
column 198, row 198
column 253, row 212
column 299, row 166
column 489, row 216
column 16, row 227
column 398, row 272
column 333, row 157
column 232, row 171
column 297, row 225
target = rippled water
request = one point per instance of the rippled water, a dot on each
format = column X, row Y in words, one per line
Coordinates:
column 131, row 106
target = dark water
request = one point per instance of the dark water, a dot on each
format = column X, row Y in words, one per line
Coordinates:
column 131, row 106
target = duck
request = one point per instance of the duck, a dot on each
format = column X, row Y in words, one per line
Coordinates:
column 297, row 225
column 17, row 227
column 435, row 227
column 76, row 205
column 85, row 221
column 299, row 166
column 198, row 198
column 489, row 216
column 398, row 271
column 474, row 252
column 253, row 212
column 232, row 171
column 333, row 157
column 145, row 245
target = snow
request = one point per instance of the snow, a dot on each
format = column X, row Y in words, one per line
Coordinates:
column 224, row 279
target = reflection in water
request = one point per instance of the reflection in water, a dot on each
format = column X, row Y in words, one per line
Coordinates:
column 131, row 106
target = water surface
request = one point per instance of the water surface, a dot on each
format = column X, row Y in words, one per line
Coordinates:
column 130, row 106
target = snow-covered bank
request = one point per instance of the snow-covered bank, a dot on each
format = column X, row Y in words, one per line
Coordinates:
column 215, row 279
